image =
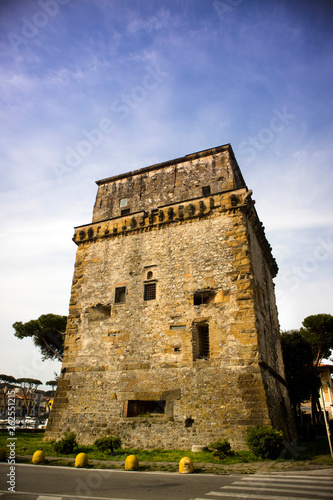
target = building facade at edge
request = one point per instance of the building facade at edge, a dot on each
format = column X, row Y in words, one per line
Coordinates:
column 172, row 338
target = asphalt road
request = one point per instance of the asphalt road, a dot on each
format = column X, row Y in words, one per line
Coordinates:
column 33, row 482
column 48, row 480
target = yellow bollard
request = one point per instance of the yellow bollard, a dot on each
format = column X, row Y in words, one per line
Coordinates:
column 81, row 460
column 186, row 466
column 132, row 463
column 38, row 457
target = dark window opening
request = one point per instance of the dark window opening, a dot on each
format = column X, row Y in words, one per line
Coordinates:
column 201, row 341
column 120, row 294
column 137, row 408
column 149, row 275
column 203, row 297
column 205, row 190
column 189, row 422
column 126, row 211
column 234, row 200
column 150, row 291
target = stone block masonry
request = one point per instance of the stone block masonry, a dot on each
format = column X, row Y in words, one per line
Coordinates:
column 173, row 337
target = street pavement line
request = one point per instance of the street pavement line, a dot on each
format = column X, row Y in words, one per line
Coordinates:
column 288, row 479
column 299, row 491
column 232, row 494
column 66, row 496
column 307, row 477
column 47, row 497
column 83, row 470
column 279, row 485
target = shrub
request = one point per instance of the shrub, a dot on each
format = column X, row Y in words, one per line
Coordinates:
column 108, row 444
column 264, row 441
column 66, row 445
column 221, row 449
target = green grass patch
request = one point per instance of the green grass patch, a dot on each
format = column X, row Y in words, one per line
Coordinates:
column 27, row 443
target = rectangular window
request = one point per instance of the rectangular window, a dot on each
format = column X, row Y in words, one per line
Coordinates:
column 120, row 294
column 206, row 191
column 123, row 202
column 137, row 408
column 150, row 291
column 203, row 297
column 200, row 341
column 126, row 211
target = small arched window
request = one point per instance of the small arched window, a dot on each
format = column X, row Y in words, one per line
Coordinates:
column 149, row 275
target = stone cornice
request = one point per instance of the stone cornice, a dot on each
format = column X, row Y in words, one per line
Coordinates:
column 183, row 212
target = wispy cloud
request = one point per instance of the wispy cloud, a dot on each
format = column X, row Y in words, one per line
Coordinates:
column 161, row 20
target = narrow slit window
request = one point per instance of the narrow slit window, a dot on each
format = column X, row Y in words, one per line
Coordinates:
column 201, row 348
column 120, row 295
column 150, row 291
column 203, row 342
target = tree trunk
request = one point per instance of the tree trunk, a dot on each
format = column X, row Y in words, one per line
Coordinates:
column 51, row 348
column 314, row 412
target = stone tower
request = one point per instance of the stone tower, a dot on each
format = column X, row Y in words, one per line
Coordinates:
column 172, row 337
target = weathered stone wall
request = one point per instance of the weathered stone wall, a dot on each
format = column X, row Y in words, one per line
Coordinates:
column 268, row 331
column 167, row 183
column 206, row 347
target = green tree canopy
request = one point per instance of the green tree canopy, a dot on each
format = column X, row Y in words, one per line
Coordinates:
column 302, row 377
column 28, row 383
column 318, row 331
column 53, row 384
column 47, row 333
column 303, row 352
column 8, row 380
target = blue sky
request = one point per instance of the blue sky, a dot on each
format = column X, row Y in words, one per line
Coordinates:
column 93, row 88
